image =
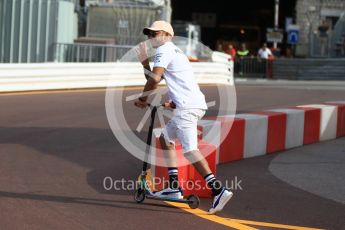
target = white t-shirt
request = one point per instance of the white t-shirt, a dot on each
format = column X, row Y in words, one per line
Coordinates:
column 183, row 89
column 264, row 53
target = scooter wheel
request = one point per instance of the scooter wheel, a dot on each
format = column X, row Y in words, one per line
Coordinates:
column 139, row 195
column 193, row 201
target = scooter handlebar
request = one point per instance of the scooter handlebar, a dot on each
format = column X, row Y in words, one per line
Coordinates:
column 164, row 105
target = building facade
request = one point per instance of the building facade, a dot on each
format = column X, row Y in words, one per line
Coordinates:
column 317, row 20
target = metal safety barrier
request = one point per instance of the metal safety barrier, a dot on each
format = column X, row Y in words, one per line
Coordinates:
column 253, row 67
column 80, row 52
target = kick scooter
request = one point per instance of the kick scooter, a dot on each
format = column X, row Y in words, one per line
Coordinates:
column 144, row 190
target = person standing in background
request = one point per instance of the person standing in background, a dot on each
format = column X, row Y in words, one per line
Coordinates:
column 242, row 53
column 323, row 37
column 220, row 47
column 265, row 58
column 231, row 51
column 264, row 52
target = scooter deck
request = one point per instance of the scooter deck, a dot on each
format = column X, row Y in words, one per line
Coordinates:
column 169, row 199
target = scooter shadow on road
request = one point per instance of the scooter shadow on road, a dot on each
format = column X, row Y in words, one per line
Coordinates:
column 93, row 149
column 90, row 201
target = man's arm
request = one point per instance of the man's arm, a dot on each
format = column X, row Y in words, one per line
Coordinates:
column 147, row 69
column 142, row 54
column 153, row 81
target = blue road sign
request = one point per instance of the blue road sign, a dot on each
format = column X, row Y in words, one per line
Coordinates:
column 293, row 36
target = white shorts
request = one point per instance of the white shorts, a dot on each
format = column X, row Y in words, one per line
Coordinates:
column 183, row 126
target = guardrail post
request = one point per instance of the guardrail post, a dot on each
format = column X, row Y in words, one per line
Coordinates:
column 90, row 53
column 102, row 53
column 78, row 52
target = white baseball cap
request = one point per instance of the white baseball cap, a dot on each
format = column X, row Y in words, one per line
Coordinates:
column 159, row 26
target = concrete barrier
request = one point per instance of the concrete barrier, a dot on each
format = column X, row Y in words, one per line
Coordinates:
column 232, row 132
column 276, row 130
column 49, row 76
column 294, row 127
column 266, row 132
column 259, row 133
column 328, row 121
column 312, row 117
column 341, row 117
column 255, row 134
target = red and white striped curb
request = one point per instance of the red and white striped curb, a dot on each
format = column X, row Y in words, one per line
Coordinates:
column 274, row 130
column 264, row 132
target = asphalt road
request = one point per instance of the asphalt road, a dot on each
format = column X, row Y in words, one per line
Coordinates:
column 56, row 148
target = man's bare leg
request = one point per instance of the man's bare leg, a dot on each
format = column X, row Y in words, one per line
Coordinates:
column 171, row 162
column 200, row 162
column 169, row 152
column 220, row 193
column 203, row 168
